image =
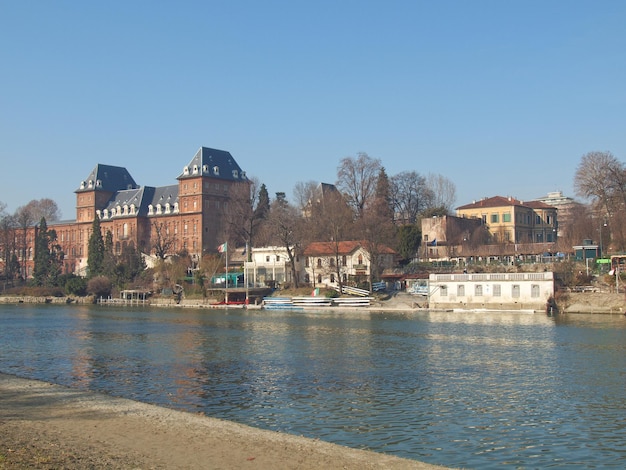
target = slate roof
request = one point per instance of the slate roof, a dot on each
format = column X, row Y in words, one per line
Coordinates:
column 501, row 201
column 213, row 163
column 107, row 178
column 143, row 197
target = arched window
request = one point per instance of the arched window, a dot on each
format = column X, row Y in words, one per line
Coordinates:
column 319, row 263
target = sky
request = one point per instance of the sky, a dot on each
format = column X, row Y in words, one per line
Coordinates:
column 500, row 97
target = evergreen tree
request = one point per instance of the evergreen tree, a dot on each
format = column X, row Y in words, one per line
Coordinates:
column 109, row 261
column 48, row 256
column 42, row 254
column 263, row 205
column 95, row 253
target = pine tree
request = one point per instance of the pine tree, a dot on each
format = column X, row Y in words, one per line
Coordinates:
column 95, row 254
column 263, row 205
column 48, row 256
column 42, row 254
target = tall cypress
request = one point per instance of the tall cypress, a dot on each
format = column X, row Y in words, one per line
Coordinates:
column 95, row 254
column 42, row 254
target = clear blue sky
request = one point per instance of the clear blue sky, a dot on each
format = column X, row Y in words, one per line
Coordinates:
column 501, row 97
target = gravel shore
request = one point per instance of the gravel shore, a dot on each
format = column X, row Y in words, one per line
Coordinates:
column 46, row 426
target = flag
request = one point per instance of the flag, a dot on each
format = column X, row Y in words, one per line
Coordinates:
column 222, row 248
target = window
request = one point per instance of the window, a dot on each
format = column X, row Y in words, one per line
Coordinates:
column 319, row 263
column 515, row 291
column 267, row 259
column 319, row 278
column 538, row 219
column 460, row 290
column 332, row 262
column 344, row 261
column 506, row 217
column 484, row 218
column 332, row 277
column 497, row 290
column 495, row 218
column 277, row 258
column 444, row 290
column 534, row 290
column 478, row 289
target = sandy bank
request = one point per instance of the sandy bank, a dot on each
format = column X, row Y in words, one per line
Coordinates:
column 50, row 426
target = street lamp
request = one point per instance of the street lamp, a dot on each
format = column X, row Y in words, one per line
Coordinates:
column 604, row 224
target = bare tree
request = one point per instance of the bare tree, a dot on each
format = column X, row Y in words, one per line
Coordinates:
column 378, row 233
column 285, row 224
column 244, row 216
column 164, row 240
column 443, row 191
column 25, row 219
column 602, row 178
column 332, row 221
column 305, row 192
column 411, row 195
column 356, row 179
column 46, row 208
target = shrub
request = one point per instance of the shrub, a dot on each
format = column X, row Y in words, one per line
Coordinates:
column 100, row 286
column 76, row 285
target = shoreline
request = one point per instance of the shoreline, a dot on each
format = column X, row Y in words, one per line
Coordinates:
column 580, row 303
column 45, row 425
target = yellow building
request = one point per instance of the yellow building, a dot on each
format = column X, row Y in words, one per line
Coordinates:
column 510, row 220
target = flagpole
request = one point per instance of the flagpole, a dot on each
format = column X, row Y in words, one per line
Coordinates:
column 226, row 291
column 245, row 274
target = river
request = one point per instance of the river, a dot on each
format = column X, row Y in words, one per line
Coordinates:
column 472, row 390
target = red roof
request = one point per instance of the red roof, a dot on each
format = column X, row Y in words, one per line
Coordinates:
column 342, row 248
column 501, row 201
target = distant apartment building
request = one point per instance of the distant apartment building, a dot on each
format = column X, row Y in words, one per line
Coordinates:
column 186, row 216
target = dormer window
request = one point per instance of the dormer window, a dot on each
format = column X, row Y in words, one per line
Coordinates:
column 82, row 185
column 235, row 174
column 186, row 170
column 158, row 209
column 175, row 207
column 105, row 213
column 195, row 169
column 125, row 212
column 98, row 183
column 113, row 212
column 132, row 209
column 205, row 168
column 90, row 185
column 98, row 214
column 118, row 210
column 150, row 209
column 216, row 170
column 167, row 208
column 243, row 175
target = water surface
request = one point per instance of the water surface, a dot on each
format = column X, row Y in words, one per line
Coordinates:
column 473, row 390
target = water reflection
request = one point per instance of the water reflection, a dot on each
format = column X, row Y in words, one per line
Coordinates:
column 473, row 390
